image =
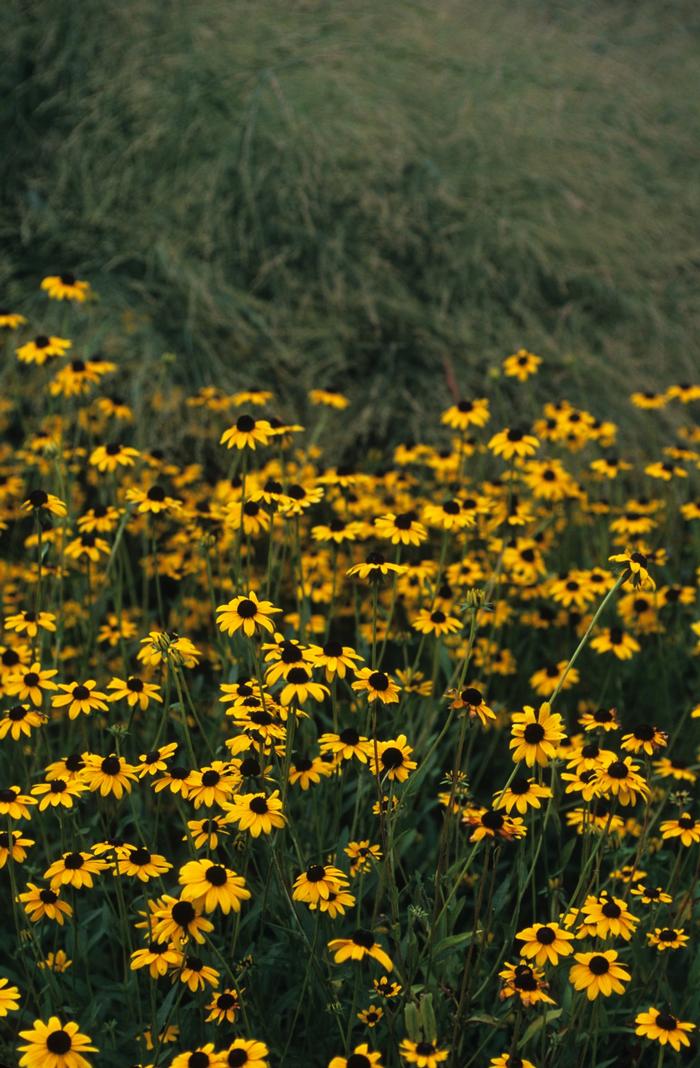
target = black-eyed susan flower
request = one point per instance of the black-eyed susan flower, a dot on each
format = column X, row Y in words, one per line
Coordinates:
column 617, row 641
column 526, row 982
column 435, row 622
column 685, row 827
column 247, row 433
column 30, row 623
column 488, row 823
column 14, row 804
column 224, row 1007
column 360, row 946
column 621, row 779
column 663, row 938
column 113, row 456
column 651, row 895
column 195, row 974
column 177, row 919
column 257, row 813
column 535, row 735
column 58, row 792
column 599, row 973
column 605, row 917
column 514, row 443
column 201, row 1057
column 66, row 286
column 152, row 501
column 376, row 685
column 346, row 745
column 246, row 613
column 362, row 855
column 393, row 759
column 466, row 413
column 403, row 528
column 521, row 794
column 300, row 687
column 545, row 942
column 11, row 320
column 168, row 646
column 55, row 1045
column 335, row 658
column 317, row 883
column 635, row 568
column 663, row 1027
column 213, row 784
column 521, row 365
column 329, row 398
column 361, row 1057
column 140, row 863
column 157, row 956
column 42, row 348
column 9, row 997
column 246, row 1053
column 14, row 846
column 80, row 698
column 423, row 1054
column 211, row 886
column 135, row 691
column 375, row 568
column 55, row 962
column 44, row 903
column 644, row 738
column 506, row 1060
column 74, row 869
column 109, row 775
column 19, row 722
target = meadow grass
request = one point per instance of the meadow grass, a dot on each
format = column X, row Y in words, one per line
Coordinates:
column 387, row 197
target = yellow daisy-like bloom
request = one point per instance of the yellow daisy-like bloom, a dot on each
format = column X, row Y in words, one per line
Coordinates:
column 377, row 685
column 523, row 793
column 636, row 568
column 19, row 721
column 139, row 863
column 621, row 778
column 375, row 568
column 423, row 1054
column 30, row 623
column 545, row 942
column 202, row 1057
column 246, row 613
column 257, row 813
column 246, row 1053
column 317, row 883
column 109, row 775
column 401, row 529
column 599, row 973
column 196, row 974
column 111, row 457
column 80, row 697
column 466, row 413
column 514, row 443
column 526, row 982
column 667, row 938
column 43, row 903
column 337, row 659
column 536, row 735
column 685, row 827
column 224, row 1007
column 41, row 501
column 53, row 1045
column 330, row 398
column 43, row 348
column 13, row 846
column 56, row 962
column 211, row 886
column 300, row 687
column 169, row 646
column 521, row 365
column 247, row 433
column 14, row 804
column 11, row 320
column 57, row 792
column 134, row 691
column 436, row 622
column 178, row 919
column 605, row 917
column 393, row 759
column 488, row 823
column 361, row 1057
column 157, row 956
column 66, row 286
column 152, row 501
column 9, row 997
column 663, row 1027
column 361, row 945
column 615, row 640
column 74, row 869
column 474, row 702
column 504, row 1060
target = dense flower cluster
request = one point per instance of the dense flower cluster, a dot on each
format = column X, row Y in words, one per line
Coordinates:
column 354, row 765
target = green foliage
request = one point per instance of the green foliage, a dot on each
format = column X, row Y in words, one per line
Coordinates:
column 376, row 195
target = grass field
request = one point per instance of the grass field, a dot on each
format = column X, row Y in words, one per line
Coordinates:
column 378, row 196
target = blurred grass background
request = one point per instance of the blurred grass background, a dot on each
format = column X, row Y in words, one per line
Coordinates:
column 365, row 193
